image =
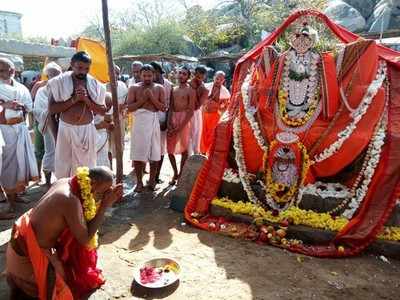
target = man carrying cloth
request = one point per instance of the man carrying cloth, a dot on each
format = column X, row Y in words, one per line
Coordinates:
column 197, row 83
column 179, row 121
column 218, row 98
column 18, row 157
column 41, row 114
column 76, row 96
column 146, row 99
column 51, row 254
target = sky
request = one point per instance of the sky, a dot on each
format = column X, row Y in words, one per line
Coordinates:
column 62, row 18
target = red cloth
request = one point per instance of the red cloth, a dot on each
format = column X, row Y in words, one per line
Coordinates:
column 376, row 207
column 79, row 262
column 210, row 122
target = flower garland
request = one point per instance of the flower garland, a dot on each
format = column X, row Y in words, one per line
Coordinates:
column 357, row 115
column 243, row 175
column 331, row 190
column 250, row 111
column 231, row 176
column 297, row 216
column 89, row 203
column 368, row 169
column 310, row 116
column 273, row 189
column 237, row 145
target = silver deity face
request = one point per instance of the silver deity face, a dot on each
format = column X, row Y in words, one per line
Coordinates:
column 301, row 43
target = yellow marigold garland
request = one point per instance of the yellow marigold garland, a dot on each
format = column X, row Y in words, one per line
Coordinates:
column 89, row 203
column 282, row 99
column 299, row 217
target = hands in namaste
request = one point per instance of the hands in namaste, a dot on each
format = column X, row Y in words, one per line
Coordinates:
column 112, row 195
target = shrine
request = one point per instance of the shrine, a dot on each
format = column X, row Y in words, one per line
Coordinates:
column 310, row 140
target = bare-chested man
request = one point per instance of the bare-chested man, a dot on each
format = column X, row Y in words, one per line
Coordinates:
column 76, row 96
column 197, row 83
column 179, row 121
column 34, row 265
column 146, row 99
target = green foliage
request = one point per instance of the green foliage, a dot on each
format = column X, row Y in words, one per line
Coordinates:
column 164, row 37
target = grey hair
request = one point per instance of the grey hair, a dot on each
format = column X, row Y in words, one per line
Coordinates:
column 7, row 62
column 101, row 174
column 220, row 73
column 137, row 63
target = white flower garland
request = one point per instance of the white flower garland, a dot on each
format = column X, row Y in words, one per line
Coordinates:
column 243, row 175
column 250, row 111
column 358, row 113
column 377, row 143
column 231, row 176
column 332, row 190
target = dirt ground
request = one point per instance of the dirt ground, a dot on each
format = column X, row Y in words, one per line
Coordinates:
column 217, row 267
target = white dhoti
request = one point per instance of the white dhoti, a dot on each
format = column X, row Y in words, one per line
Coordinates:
column 145, row 138
column 76, row 147
column 102, row 148
column 197, row 125
column 18, row 159
column 49, row 152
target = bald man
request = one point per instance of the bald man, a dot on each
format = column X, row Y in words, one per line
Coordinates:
column 18, row 157
column 35, row 268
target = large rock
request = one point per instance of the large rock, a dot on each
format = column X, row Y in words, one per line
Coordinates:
column 345, row 15
column 365, row 7
column 181, row 194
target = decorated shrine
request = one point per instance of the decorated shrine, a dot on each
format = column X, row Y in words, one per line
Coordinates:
column 310, row 140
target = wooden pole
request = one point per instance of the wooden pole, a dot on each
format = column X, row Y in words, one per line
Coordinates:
column 113, row 85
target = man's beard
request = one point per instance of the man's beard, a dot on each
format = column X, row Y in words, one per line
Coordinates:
column 81, row 76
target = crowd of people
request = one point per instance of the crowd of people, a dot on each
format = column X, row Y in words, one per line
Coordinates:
column 52, row 253
column 73, row 124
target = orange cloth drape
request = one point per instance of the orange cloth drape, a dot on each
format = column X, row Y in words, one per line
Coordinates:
column 40, row 261
column 210, row 122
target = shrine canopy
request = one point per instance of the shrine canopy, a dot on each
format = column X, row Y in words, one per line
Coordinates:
column 380, row 196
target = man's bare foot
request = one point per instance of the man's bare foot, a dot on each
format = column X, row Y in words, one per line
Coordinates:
column 151, row 187
column 139, row 188
column 174, row 180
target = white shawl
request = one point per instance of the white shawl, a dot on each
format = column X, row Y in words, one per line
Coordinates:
column 62, row 88
column 17, row 92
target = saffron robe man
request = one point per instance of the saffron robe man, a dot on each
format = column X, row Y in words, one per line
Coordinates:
column 41, row 114
column 146, row 99
column 197, row 83
column 218, row 98
column 76, row 96
column 33, row 255
column 179, row 121
column 18, row 157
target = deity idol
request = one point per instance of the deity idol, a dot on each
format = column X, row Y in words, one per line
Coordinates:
column 303, row 116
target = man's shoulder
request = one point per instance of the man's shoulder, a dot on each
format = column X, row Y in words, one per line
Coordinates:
column 158, row 86
column 20, row 86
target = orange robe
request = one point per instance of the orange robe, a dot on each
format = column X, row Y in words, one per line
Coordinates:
column 210, row 122
column 29, row 273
